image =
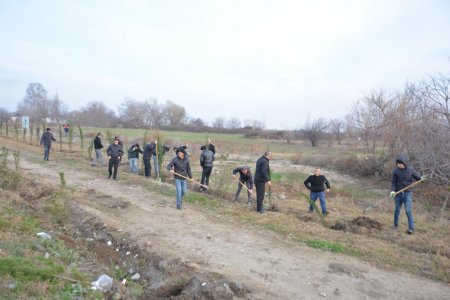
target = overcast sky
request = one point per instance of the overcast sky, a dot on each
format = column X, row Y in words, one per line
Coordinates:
column 276, row 61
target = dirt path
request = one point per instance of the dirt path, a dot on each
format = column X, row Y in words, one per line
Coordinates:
column 268, row 265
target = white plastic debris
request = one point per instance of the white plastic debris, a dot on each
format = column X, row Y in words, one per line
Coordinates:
column 128, row 253
column 103, row 283
column 323, row 294
column 124, row 281
column 44, row 235
column 109, row 243
column 47, row 255
column 204, row 283
column 136, row 276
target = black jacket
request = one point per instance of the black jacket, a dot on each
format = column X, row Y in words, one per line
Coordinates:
column 98, row 143
column 148, row 150
column 316, row 183
column 244, row 177
column 206, row 158
column 401, row 178
column 262, row 171
column 47, row 138
column 133, row 152
column 115, row 150
column 182, row 167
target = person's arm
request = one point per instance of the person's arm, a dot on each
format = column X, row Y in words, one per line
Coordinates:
column 265, row 172
column 202, row 159
column 53, row 138
column 326, row 182
column 108, row 151
column 393, row 182
column 416, row 175
column 170, row 165
column 188, row 167
column 250, row 179
column 236, row 170
column 307, row 183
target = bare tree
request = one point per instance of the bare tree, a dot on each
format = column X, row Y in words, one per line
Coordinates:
column 337, row 127
column 153, row 113
column 233, row 123
column 174, row 113
column 35, row 103
column 96, row 114
column 313, row 131
column 132, row 113
column 219, row 123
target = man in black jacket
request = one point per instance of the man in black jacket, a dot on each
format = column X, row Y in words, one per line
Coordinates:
column 245, row 177
column 98, row 151
column 316, row 184
column 115, row 153
column 148, row 151
column 402, row 176
column 206, row 162
column 180, row 164
column 262, row 176
column 46, row 142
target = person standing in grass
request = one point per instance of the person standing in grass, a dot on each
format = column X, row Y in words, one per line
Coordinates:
column 206, row 161
column 115, row 152
column 148, row 151
column 245, row 177
column 133, row 156
column 262, row 176
column 98, row 151
column 316, row 184
column 180, row 164
column 46, row 141
column 402, row 176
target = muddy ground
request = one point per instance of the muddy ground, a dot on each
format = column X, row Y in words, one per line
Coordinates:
column 192, row 253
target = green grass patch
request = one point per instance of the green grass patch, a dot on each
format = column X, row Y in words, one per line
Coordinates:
column 326, row 245
column 17, row 221
column 30, row 269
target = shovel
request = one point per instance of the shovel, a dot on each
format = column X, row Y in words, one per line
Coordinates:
column 192, row 180
column 250, row 191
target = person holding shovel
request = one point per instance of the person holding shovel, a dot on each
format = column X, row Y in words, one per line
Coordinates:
column 316, row 184
column 245, row 177
column 180, row 167
column 402, row 177
column 262, row 176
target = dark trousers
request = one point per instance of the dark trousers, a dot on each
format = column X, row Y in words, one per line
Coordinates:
column 236, row 197
column 147, row 168
column 113, row 161
column 260, row 191
column 46, row 152
column 205, row 175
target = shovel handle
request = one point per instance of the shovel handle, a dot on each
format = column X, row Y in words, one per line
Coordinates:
column 251, row 192
column 192, row 180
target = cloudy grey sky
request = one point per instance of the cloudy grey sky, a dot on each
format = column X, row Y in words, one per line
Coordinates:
column 281, row 61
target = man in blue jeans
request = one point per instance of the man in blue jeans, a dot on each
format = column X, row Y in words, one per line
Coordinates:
column 181, row 166
column 403, row 176
column 316, row 184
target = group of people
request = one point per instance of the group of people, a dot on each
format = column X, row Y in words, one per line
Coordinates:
column 402, row 176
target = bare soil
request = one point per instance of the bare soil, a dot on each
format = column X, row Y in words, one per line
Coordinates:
column 193, row 253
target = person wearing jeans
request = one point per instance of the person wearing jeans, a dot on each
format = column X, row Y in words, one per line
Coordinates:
column 402, row 177
column 133, row 156
column 316, row 184
column 98, row 151
column 245, row 177
column 180, row 165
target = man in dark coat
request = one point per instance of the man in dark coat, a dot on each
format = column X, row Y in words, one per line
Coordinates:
column 316, row 184
column 206, row 161
column 133, row 157
column 245, row 177
column 46, row 142
column 180, row 164
column 402, row 176
column 115, row 152
column 262, row 176
column 98, row 146
column 148, row 152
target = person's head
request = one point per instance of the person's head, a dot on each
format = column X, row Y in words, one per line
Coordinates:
column 202, row 147
column 317, row 171
column 116, row 141
column 401, row 162
column 180, row 154
column 48, row 129
column 268, row 155
column 244, row 171
column 99, row 134
column 136, row 145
